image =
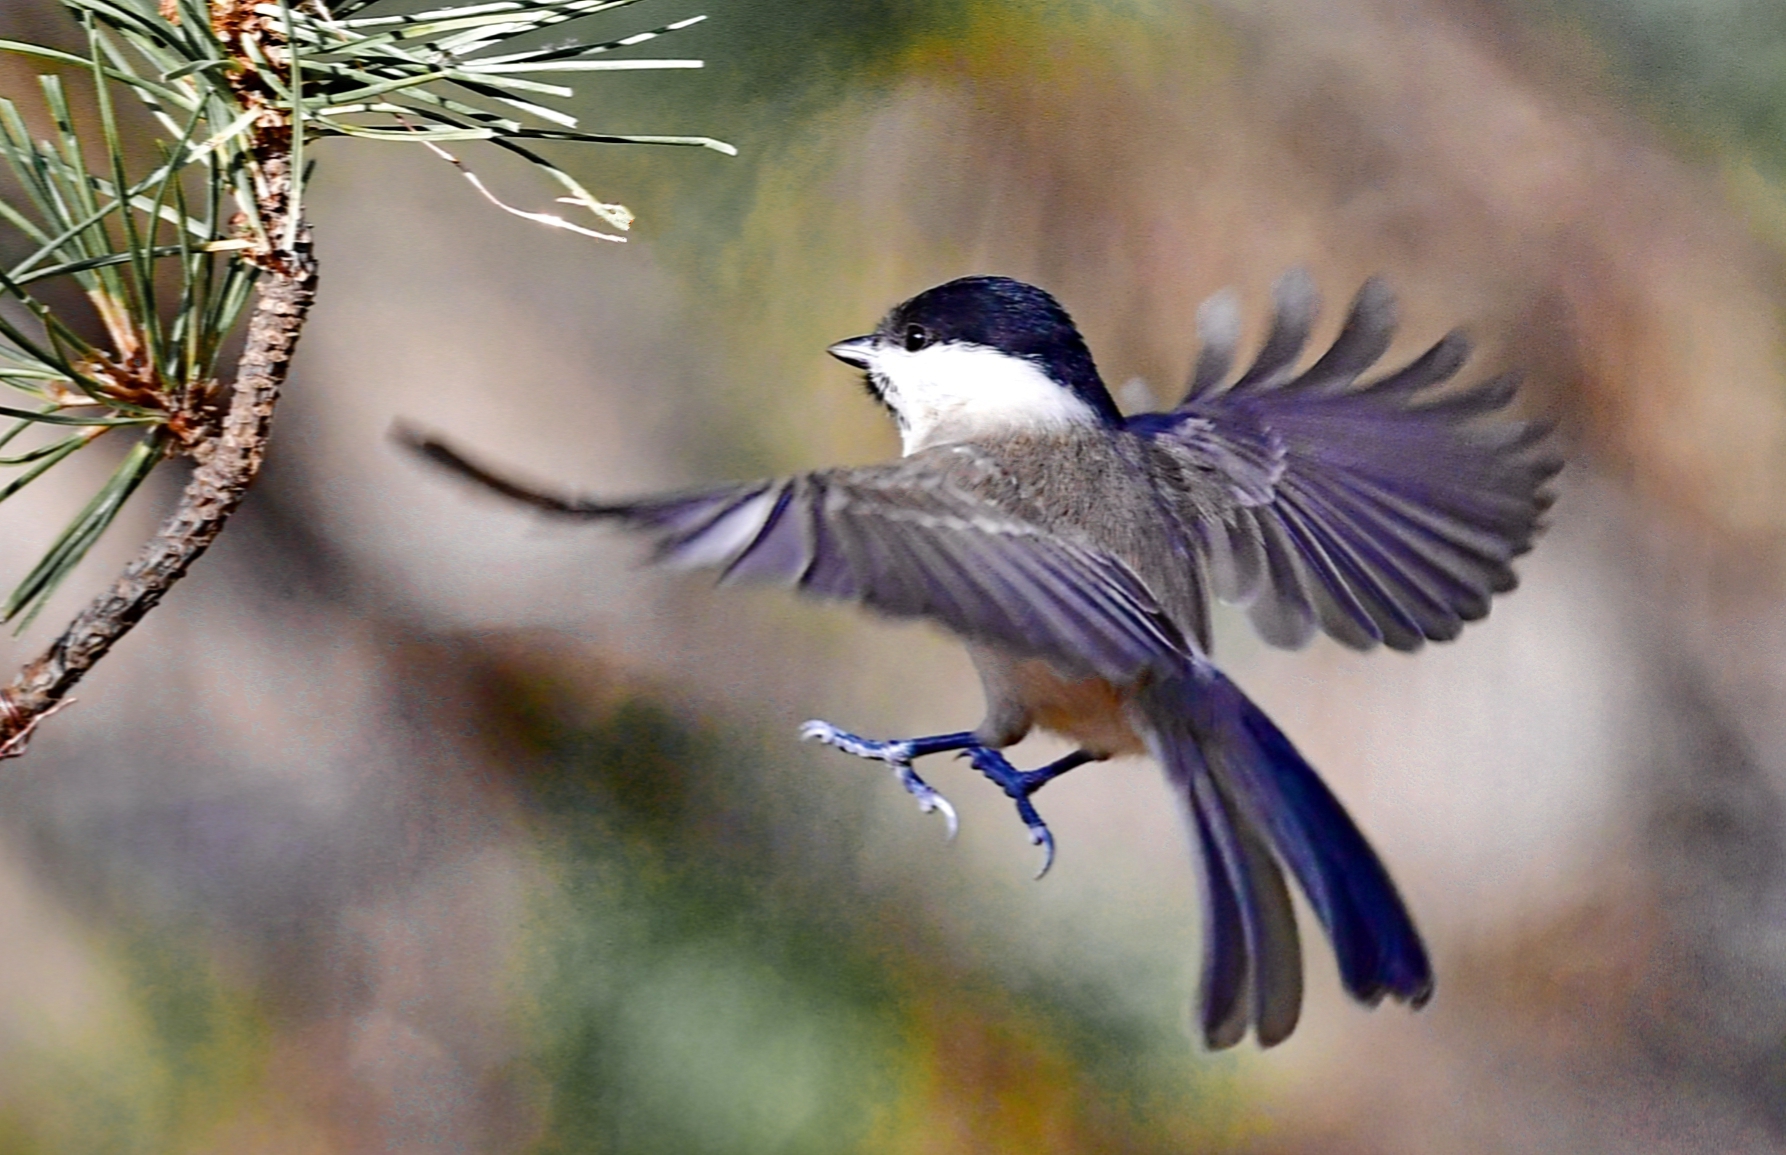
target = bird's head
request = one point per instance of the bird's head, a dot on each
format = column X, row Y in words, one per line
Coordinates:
column 980, row 357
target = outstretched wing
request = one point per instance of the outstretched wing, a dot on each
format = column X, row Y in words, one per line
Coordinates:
column 884, row 537
column 1369, row 510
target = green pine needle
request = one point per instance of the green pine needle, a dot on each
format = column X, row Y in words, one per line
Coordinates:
column 27, row 601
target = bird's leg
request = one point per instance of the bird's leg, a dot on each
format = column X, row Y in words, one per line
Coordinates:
column 1020, row 784
column 898, row 753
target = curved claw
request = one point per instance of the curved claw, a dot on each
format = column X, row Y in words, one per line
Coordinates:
column 1040, row 836
column 1018, row 786
column 929, row 800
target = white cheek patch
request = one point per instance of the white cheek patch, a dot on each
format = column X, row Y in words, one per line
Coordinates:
column 959, row 392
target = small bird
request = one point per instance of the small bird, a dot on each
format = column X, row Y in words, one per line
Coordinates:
column 1075, row 551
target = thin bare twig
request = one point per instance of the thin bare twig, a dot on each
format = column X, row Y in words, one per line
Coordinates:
column 14, row 746
column 614, row 214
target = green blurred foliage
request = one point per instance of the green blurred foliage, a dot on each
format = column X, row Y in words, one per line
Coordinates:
column 169, row 1054
column 682, row 1008
column 1711, row 74
column 1715, row 69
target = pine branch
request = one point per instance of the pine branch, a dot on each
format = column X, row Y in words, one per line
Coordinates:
column 239, row 89
column 229, row 454
column 229, row 461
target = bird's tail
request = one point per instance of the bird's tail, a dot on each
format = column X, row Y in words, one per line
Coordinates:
column 1254, row 802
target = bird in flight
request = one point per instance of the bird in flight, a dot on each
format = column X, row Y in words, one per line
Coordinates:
column 1075, row 551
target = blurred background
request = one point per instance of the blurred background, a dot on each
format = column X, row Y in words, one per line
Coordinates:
column 413, row 824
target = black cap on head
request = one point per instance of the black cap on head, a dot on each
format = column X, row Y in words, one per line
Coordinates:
column 1009, row 316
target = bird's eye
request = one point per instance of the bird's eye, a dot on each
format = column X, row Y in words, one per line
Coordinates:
column 915, row 338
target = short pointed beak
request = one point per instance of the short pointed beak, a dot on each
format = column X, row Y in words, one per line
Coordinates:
column 857, row 351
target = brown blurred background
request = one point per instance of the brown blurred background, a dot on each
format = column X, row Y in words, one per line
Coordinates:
column 412, row 824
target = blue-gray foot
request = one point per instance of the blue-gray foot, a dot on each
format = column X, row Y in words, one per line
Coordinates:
column 1018, row 785
column 898, row 754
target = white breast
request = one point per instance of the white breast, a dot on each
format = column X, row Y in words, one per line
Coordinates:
column 958, row 392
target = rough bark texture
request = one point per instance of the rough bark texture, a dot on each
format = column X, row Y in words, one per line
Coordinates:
column 228, row 464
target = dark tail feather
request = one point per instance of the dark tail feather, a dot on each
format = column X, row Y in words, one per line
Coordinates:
column 1226, row 959
column 1274, row 792
column 1252, row 954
